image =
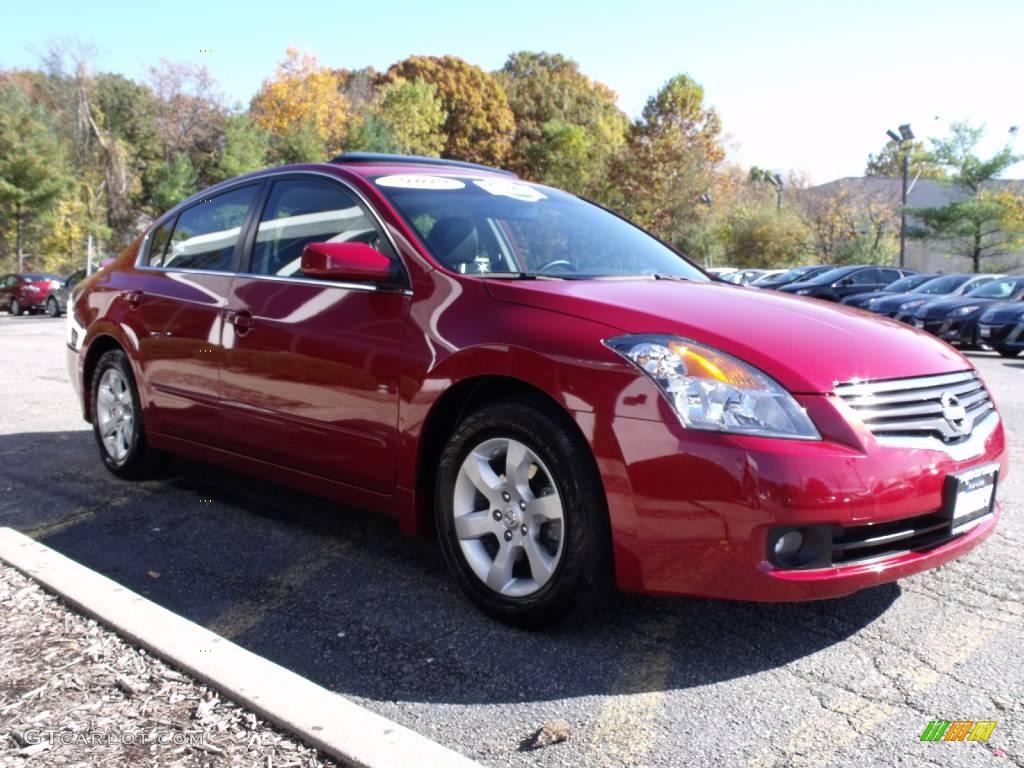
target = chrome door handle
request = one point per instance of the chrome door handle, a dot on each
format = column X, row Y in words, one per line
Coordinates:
column 242, row 320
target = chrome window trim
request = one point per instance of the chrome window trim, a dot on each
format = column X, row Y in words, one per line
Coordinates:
column 270, row 177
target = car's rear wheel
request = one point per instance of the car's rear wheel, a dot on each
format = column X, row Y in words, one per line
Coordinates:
column 117, row 420
column 52, row 307
column 521, row 514
column 15, row 307
column 1007, row 352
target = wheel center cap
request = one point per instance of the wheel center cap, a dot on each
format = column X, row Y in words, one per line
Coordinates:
column 509, row 517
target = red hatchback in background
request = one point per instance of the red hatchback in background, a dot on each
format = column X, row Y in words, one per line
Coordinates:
column 26, row 291
column 564, row 399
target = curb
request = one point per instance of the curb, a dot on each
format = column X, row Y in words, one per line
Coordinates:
column 319, row 717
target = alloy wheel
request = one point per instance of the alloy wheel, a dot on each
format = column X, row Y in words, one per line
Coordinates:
column 509, row 518
column 115, row 413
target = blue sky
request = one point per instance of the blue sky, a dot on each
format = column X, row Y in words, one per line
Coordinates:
column 800, row 84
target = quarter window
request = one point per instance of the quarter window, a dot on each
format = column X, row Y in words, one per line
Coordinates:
column 303, row 211
column 205, row 235
column 158, row 244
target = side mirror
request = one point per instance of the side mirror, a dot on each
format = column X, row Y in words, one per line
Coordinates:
column 845, row 282
column 345, row 262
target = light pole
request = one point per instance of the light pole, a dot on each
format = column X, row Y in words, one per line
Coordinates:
column 903, row 140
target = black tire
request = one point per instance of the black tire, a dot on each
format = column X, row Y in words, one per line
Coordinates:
column 141, row 462
column 52, row 307
column 15, row 308
column 1003, row 352
column 585, row 572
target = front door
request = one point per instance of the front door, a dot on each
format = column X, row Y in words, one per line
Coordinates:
column 311, row 370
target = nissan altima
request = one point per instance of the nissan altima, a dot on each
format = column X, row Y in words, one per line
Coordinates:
column 567, row 403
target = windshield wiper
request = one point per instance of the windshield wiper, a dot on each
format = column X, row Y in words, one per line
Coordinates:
column 519, row 276
column 676, row 278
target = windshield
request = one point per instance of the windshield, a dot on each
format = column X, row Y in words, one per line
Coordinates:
column 830, row 276
column 504, row 226
column 944, row 284
column 997, row 289
column 908, row 282
column 35, row 277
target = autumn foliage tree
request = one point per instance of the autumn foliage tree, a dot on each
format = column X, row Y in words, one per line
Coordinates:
column 479, row 123
column 568, row 127
column 670, row 160
column 303, row 108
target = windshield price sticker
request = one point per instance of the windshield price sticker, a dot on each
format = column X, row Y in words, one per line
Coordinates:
column 511, row 189
column 419, row 181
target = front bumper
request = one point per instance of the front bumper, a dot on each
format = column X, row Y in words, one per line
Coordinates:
column 693, row 511
column 953, row 330
column 1008, row 336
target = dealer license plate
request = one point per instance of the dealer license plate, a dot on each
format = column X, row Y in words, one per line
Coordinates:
column 970, row 496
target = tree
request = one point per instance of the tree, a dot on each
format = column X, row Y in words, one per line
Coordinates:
column 669, row 161
column 404, row 117
column 853, row 222
column 568, row 127
column 33, row 168
column 302, row 93
column 244, row 149
column 889, row 162
column 176, row 180
column 479, row 124
column 761, row 235
column 979, row 225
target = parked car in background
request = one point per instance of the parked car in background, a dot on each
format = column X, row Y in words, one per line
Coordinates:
column 768, row 274
column 901, row 305
column 835, row 284
column 720, row 272
column 441, row 341
column 794, row 275
column 904, row 284
column 743, row 276
column 57, row 301
column 956, row 320
column 26, row 291
column 1002, row 328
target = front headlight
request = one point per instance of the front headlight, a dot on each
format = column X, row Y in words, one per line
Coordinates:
column 711, row 390
column 907, row 305
column 803, row 292
column 961, row 311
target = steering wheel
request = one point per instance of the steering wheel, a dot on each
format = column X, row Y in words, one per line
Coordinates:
column 556, row 263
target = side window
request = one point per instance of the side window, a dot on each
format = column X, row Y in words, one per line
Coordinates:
column 890, row 275
column 205, row 235
column 865, row 276
column 158, row 244
column 302, row 211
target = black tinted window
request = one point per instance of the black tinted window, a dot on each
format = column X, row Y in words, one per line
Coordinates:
column 158, row 244
column 889, row 275
column 865, row 276
column 302, row 211
column 205, row 234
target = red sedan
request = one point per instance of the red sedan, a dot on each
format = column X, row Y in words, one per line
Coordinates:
column 566, row 401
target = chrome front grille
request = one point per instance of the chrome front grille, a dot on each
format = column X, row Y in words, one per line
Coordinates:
column 947, row 407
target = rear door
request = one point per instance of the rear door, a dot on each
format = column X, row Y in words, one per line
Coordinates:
column 312, row 366
column 7, row 285
column 178, row 302
column 860, row 281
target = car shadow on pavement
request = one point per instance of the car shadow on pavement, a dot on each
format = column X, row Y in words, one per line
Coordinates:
column 341, row 597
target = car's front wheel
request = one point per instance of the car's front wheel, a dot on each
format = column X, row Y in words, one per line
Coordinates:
column 117, row 420
column 521, row 514
column 52, row 307
column 1003, row 352
column 15, row 307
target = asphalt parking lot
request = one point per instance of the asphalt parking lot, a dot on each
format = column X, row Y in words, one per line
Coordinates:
column 341, row 597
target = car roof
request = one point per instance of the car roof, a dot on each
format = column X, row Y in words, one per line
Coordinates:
column 375, row 164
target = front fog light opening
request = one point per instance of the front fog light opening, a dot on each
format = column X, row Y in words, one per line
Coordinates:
column 803, row 547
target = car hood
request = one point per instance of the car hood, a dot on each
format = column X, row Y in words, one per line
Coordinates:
column 802, row 285
column 893, row 301
column 942, row 307
column 1011, row 313
column 804, row 344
